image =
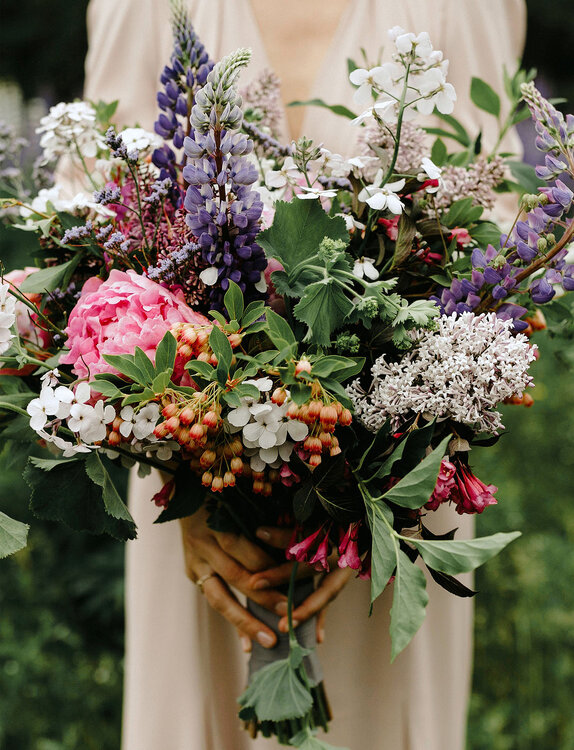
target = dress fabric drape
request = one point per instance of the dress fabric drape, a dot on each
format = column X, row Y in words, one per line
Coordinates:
column 184, row 667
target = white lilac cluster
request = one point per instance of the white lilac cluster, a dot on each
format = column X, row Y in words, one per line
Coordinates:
column 7, row 317
column 461, row 371
column 88, row 422
column 383, row 87
column 68, row 126
column 268, row 434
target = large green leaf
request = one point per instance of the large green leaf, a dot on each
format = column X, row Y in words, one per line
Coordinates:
column 48, row 279
column 62, row 491
column 276, row 693
column 383, row 553
column 280, row 333
column 484, row 96
column 233, row 301
column 165, row 353
column 306, row 740
column 13, row 535
column 455, row 556
column 98, row 473
column 409, row 602
column 219, row 342
column 125, row 363
column 337, row 109
column 297, row 231
column 415, row 489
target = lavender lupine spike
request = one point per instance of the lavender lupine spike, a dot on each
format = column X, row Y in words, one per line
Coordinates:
column 187, row 72
column 555, row 133
column 223, row 212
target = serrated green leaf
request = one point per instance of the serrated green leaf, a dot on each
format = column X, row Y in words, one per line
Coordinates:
column 165, row 353
column 484, row 96
column 276, row 693
column 114, row 504
column 415, row 489
column 233, row 301
column 13, row 535
column 323, row 308
column 48, row 279
column 64, row 492
column 453, row 557
column 306, row 740
column 297, row 231
column 409, row 603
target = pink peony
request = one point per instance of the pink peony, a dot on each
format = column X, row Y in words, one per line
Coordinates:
column 117, row 315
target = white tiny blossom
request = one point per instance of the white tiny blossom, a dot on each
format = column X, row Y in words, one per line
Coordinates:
column 7, row 317
column 310, row 192
column 145, row 421
column 140, row 139
column 41, row 408
column 286, row 175
column 430, row 171
column 365, row 267
column 461, row 371
column 67, row 126
column 383, row 198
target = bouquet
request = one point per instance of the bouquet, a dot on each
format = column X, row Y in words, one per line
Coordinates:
column 292, row 338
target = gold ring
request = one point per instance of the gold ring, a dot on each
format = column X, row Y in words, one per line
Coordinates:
column 201, row 581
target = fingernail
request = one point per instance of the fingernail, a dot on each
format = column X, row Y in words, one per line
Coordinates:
column 263, row 534
column 321, row 635
column 261, row 584
column 281, row 608
column 265, row 639
column 245, row 644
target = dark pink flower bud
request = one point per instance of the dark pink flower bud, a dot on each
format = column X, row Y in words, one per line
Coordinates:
column 470, row 494
column 349, row 549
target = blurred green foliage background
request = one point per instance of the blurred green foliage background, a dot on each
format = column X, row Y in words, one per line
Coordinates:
column 61, row 599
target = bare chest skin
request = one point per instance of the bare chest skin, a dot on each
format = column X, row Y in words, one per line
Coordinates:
column 297, row 35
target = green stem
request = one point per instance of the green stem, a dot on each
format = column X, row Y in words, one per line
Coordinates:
column 139, row 212
column 84, row 165
column 13, row 407
column 25, row 301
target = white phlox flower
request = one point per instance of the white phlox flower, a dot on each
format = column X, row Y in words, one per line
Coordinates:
column 39, row 409
column 433, row 86
column 140, row 139
column 7, row 317
column 365, row 267
column 92, row 421
column 144, row 421
column 69, row 125
column 310, row 192
column 68, row 448
column 286, row 175
column 333, row 165
column 378, row 78
column 430, row 171
column 386, row 110
column 383, row 198
column 351, row 223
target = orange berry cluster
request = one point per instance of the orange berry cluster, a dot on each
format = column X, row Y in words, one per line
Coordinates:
column 524, row 400
column 193, row 343
column 322, row 418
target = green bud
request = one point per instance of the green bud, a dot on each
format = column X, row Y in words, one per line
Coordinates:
column 542, row 244
column 550, row 239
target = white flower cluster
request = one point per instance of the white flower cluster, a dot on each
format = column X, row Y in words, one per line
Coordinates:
column 461, row 370
column 268, row 434
column 49, row 201
column 67, row 126
column 7, row 317
column 382, row 87
column 88, row 422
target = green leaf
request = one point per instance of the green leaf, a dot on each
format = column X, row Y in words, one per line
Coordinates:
column 107, row 389
column 456, row 126
column 335, row 364
column 439, row 152
column 204, row 369
column 233, row 301
column 161, row 382
column 297, row 231
column 306, row 740
column 337, row 109
column 276, row 693
column 280, row 333
column 165, row 353
column 125, row 363
column 484, row 96
column 323, row 307
column 13, row 535
column 247, row 390
column 135, row 398
column 114, row 504
column 455, row 556
column 525, row 174
column 409, row 603
column 383, row 553
column 406, row 230
column 253, row 312
column 462, row 212
column 300, row 393
column 219, row 342
column 415, row 489
column 48, row 279
column 384, row 469
column 187, row 498
column 145, row 365
column 62, row 491
column 447, row 134
column 485, row 233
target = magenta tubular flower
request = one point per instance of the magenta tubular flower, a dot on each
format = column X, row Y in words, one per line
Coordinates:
column 349, row 549
column 161, row 498
column 301, row 550
column 470, row 494
column 444, row 485
column 319, row 560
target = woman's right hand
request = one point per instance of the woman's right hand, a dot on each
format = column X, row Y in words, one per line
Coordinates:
column 225, row 560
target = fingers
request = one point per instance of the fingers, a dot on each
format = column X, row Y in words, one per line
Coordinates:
column 245, row 642
column 280, row 574
column 320, row 631
column 274, row 536
column 250, row 555
column 221, row 599
column 327, row 590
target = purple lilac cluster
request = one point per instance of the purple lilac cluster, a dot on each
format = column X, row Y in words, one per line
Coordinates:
column 119, row 148
column 223, row 211
column 77, row 233
column 109, row 194
column 169, row 268
column 188, row 70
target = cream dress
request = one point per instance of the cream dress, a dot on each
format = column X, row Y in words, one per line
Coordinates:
column 184, row 666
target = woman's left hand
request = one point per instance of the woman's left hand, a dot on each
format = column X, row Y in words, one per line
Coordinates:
column 316, row 603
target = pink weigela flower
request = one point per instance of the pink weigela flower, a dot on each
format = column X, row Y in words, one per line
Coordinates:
column 117, row 315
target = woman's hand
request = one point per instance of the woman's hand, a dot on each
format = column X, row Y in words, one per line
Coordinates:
column 315, row 604
column 223, row 560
